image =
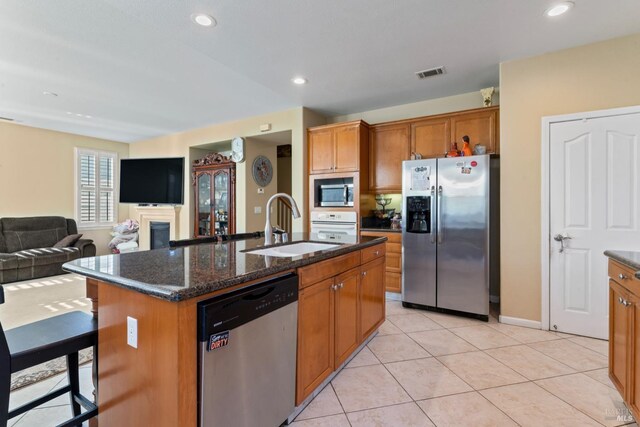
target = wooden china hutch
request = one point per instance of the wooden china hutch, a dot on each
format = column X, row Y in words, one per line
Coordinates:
column 214, row 184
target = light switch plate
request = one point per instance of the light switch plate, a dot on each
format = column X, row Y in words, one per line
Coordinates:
column 132, row 332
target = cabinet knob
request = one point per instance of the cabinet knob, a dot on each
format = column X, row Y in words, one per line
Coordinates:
column 364, row 273
column 377, row 253
column 620, row 300
column 626, row 303
column 340, row 285
column 334, row 288
column 622, row 276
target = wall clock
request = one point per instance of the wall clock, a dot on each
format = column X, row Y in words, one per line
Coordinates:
column 237, row 149
column 262, row 171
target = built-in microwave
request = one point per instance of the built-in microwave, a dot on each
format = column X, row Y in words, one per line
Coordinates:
column 336, row 195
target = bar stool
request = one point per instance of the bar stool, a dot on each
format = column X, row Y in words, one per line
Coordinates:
column 42, row 341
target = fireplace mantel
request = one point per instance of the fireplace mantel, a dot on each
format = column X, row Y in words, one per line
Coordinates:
column 146, row 214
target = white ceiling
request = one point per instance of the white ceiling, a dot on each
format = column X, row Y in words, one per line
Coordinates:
column 142, row 68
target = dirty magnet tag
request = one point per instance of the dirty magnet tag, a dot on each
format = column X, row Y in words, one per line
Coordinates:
column 217, row 341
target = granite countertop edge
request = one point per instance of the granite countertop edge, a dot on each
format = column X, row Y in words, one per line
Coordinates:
column 186, row 293
column 622, row 258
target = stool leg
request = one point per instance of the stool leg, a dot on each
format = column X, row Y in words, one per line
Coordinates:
column 5, row 390
column 73, row 373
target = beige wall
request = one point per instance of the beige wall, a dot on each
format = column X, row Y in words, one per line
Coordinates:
column 254, row 221
column 296, row 120
column 37, row 172
column 465, row 101
column 597, row 76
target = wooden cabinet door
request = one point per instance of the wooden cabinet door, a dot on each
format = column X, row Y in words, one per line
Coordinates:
column 315, row 337
column 372, row 297
column 633, row 365
column 393, row 281
column 431, row 138
column 619, row 336
column 389, row 145
column 481, row 126
column 347, row 149
column 321, row 151
column 346, row 308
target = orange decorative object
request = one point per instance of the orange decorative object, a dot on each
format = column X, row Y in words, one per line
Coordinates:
column 466, row 150
column 454, row 152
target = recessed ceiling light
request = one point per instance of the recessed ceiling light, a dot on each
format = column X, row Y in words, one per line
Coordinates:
column 299, row 80
column 559, row 9
column 46, row 92
column 204, row 20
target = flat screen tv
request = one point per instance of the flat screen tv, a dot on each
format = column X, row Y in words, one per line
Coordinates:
column 152, row 181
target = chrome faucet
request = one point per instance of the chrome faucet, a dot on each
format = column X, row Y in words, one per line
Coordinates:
column 268, row 229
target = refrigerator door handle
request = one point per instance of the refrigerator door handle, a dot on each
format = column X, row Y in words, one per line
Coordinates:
column 439, row 208
column 433, row 217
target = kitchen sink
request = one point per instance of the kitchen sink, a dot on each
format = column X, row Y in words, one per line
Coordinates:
column 294, row 249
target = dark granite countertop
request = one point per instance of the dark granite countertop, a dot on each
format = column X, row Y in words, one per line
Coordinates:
column 629, row 258
column 382, row 229
column 188, row 272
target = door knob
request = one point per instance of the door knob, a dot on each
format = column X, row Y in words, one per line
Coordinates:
column 560, row 238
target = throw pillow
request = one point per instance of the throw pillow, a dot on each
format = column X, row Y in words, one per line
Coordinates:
column 67, row 241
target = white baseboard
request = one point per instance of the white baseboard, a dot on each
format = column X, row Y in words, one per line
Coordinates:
column 494, row 299
column 516, row 321
column 394, row 296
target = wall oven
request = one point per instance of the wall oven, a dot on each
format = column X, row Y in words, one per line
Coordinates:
column 336, row 195
column 339, row 227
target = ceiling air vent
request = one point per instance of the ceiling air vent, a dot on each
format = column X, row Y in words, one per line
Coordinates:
column 430, row 72
column 7, row 119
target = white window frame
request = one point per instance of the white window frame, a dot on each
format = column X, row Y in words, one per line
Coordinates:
column 78, row 188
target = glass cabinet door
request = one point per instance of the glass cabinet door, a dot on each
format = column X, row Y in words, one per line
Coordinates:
column 221, row 202
column 204, row 204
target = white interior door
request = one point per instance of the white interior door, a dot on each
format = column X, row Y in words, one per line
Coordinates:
column 594, row 192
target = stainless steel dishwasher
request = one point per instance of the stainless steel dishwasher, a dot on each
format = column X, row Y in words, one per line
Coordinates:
column 247, row 355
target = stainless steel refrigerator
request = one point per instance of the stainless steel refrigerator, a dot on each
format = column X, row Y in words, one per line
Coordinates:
column 450, row 233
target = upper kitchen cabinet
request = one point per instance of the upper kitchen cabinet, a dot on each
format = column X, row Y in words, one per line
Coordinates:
column 431, row 137
column 389, row 146
column 480, row 125
column 338, row 148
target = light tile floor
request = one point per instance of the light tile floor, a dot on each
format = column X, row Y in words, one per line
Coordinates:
column 423, row 369
column 426, row 369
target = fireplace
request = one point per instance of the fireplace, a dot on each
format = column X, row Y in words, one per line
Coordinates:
column 159, row 232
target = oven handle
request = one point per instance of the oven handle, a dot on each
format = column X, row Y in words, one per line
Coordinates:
column 329, row 226
column 346, row 195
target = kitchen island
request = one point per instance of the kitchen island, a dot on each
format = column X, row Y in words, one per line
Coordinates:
column 340, row 306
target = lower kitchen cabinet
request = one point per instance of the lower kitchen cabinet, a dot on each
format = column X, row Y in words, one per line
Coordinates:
column 624, row 343
column 393, row 248
column 316, row 314
column 347, row 308
column 336, row 314
column 372, row 297
column 619, row 327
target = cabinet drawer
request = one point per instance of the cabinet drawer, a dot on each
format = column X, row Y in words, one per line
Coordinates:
column 394, row 262
column 372, row 253
column 394, row 282
column 396, row 248
column 392, row 237
column 624, row 276
column 328, row 268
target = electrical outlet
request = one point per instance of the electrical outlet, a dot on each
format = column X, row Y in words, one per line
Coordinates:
column 257, row 209
column 260, row 190
column 132, row 332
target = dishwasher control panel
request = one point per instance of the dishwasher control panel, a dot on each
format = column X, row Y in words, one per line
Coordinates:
column 220, row 314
